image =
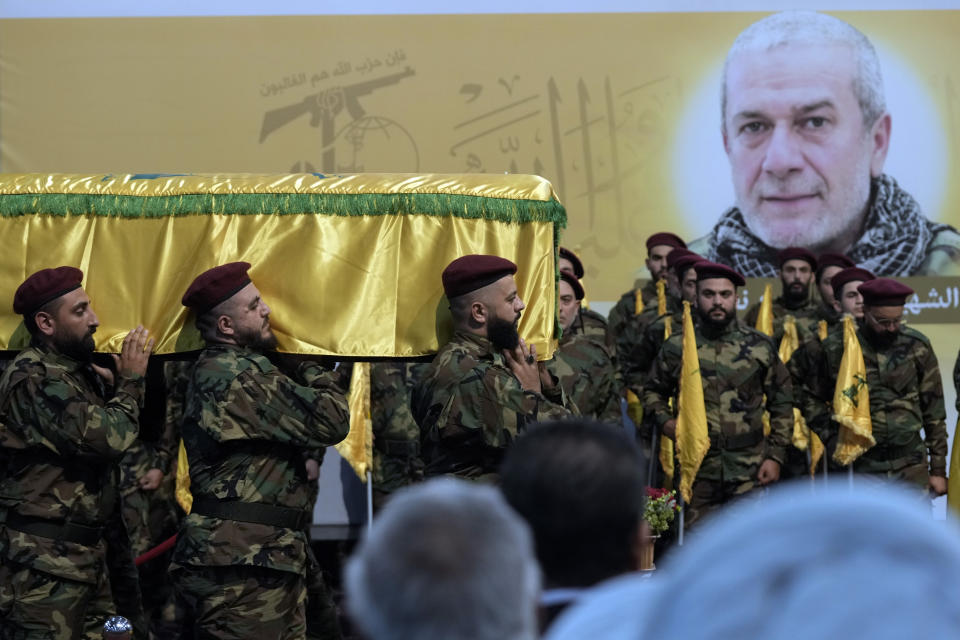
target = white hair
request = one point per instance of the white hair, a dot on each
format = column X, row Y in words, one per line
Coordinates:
column 812, row 28
column 445, row 559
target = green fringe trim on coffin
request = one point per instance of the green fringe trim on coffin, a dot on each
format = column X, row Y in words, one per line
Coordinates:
column 364, row 204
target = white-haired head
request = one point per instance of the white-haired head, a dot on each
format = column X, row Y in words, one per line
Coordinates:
column 445, row 559
column 809, row 28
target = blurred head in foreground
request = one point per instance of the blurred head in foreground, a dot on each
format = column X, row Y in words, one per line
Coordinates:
column 445, row 559
column 834, row 564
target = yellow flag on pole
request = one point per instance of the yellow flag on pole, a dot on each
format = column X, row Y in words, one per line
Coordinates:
column 182, row 487
column 692, row 436
column 765, row 317
column 661, row 297
column 666, row 444
column 851, row 400
column 803, row 437
column 953, row 480
column 357, row 447
column 637, row 302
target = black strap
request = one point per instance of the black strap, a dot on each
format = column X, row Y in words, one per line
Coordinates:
column 256, row 512
column 741, row 440
column 69, row 531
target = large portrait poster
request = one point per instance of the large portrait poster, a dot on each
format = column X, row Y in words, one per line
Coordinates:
column 620, row 111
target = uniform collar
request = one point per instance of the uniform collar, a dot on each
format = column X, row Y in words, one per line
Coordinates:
column 54, row 357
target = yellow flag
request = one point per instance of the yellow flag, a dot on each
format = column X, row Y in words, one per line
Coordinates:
column 357, row 447
column 851, row 400
column 634, row 407
column 666, row 444
column 693, row 439
column 661, row 297
column 822, row 330
column 182, row 490
column 791, row 339
column 765, row 317
column 953, row 480
column 637, row 302
column 816, row 451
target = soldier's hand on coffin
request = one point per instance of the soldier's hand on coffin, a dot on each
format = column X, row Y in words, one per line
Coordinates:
column 135, row 353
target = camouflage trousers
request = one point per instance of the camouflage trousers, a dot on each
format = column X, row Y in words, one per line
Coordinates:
column 240, row 602
column 35, row 605
column 708, row 496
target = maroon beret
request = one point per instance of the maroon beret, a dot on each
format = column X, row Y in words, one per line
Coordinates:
column 43, row 286
column 667, row 239
column 469, row 273
column 707, row 270
column 574, row 283
column 681, row 264
column 849, row 275
column 213, row 286
column 834, row 260
column 679, row 254
column 574, row 260
column 797, row 253
column 884, row 292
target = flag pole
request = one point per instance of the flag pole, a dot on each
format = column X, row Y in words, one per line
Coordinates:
column 850, row 475
column 369, row 500
column 653, row 455
column 683, row 507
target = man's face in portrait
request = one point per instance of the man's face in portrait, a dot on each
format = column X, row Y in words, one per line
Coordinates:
column 800, row 154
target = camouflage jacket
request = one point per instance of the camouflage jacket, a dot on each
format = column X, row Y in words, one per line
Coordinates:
column 470, row 407
column 588, row 376
column 396, row 436
column 639, row 343
column 244, row 428
column 808, row 317
column 739, row 366
column 63, row 433
column 906, row 396
column 591, row 324
column 626, row 308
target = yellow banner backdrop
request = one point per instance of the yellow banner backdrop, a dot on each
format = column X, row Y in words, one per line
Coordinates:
column 350, row 265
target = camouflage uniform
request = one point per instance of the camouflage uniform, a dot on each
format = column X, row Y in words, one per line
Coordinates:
column 470, row 407
column 65, row 560
column 396, row 436
column 808, row 316
column 626, row 308
column 738, row 366
column 241, row 555
column 640, row 340
column 588, row 377
column 906, row 396
column 591, row 324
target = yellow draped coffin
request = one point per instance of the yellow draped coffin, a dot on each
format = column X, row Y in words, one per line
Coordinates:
column 349, row 264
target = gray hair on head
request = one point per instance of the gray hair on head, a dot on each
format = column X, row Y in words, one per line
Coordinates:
column 445, row 559
column 812, row 28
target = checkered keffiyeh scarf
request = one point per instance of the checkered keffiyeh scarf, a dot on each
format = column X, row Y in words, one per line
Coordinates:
column 885, row 248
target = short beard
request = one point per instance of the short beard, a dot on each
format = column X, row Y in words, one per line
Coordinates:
column 80, row 349
column 502, row 334
column 880, row 339
column 257, row 342
column 791, row 296
column 715, row 324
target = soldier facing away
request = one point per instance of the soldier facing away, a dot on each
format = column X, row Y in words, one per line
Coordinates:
column 65, row 560
column 485, row 385
column 739, row 367
column 240, row 560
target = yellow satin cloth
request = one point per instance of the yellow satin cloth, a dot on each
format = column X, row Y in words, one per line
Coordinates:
column 365, row 283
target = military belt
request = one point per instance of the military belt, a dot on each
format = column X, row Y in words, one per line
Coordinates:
column 401, row 448
column 256, row 512
column 740, row 440
column 68, row 531
column 887, row 453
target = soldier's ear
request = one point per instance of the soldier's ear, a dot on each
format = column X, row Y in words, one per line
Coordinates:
column 478, row 312
column 45, row 322
column 225, row 325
